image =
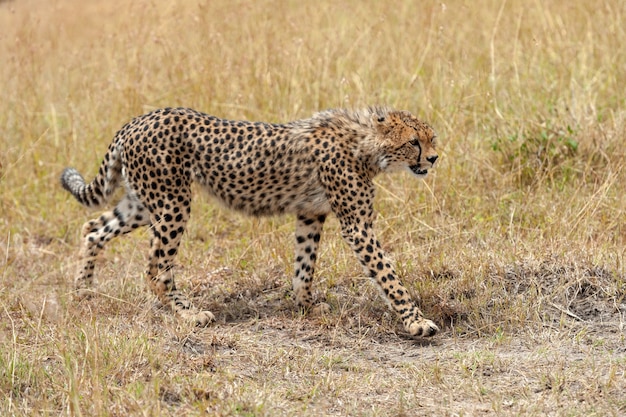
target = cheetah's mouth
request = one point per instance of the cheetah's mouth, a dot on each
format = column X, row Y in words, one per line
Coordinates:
column 417, row 170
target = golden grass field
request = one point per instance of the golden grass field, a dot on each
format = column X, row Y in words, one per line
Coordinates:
column 514, row 245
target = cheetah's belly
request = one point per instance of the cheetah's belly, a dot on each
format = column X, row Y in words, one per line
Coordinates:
column 304, row 195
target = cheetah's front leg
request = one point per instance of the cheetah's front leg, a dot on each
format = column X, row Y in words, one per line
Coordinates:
column 355, row 212
column 360, row 237
column 308, row 232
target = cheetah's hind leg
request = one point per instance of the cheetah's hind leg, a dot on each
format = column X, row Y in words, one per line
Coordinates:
column 167, row 226
column 128, row 215
column 160, row 277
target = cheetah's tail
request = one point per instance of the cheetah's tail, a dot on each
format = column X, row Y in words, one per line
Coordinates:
column 98, row 191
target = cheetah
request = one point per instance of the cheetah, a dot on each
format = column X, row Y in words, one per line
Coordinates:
column 310, row 167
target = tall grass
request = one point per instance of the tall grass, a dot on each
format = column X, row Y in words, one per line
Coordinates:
column 519, row 228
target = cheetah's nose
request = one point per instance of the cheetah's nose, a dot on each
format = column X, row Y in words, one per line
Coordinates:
column 432, row 159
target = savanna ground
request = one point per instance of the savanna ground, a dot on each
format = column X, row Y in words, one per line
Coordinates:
column 514, row 244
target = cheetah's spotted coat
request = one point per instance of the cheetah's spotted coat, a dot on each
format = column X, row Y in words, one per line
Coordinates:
column 311, row 167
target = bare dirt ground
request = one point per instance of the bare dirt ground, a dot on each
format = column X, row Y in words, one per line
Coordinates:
column 263, row 358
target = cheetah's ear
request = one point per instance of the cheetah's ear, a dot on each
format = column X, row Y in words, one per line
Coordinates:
column 382, row 123
column 387, row 122
column 390, row 127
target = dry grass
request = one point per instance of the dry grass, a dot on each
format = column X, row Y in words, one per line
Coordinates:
column 515, row 245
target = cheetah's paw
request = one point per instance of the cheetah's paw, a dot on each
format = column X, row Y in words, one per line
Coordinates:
column 198, row 318
column 320, row 309
column 83, row 294
column 422, row 328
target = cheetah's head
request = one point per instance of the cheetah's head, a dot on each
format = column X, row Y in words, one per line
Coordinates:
column 408, row 143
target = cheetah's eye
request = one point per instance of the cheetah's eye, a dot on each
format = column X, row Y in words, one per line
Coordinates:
column 414, row 142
